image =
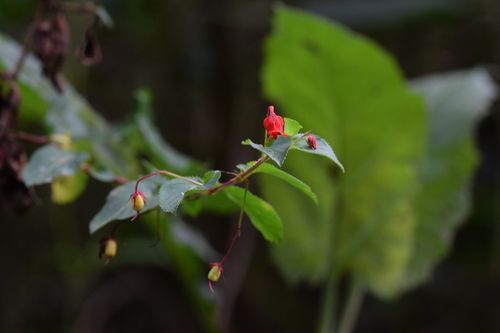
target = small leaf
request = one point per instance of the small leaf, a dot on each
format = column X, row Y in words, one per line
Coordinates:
column 102, row 174
column 291, row 126
column 272, row 170
column 50, row 162
column 261, row 214
column 67, row 189
column 117, row 206
column 277, row 151
column 323, row 148
column 172, row 192
column 104, row 16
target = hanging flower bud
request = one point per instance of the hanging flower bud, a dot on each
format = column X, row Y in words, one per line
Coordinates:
column 108, row 247
column 214, row 274
column 311, row 141
column 138, row 202
column 273, row 124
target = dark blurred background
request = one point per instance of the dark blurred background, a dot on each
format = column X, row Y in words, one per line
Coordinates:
column 201, row 59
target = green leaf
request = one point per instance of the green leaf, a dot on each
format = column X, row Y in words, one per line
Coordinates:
column 352, row 94
column 49, row 162
column 291, row 126
column 118, row 207
column 456, row 102
column 104, row 16
column 173, row 191
column 322, row 148
column 68, row 188
column 261, row 214
column 272, row 170
column 277, row 151
column 102, row 174
column 170, row 156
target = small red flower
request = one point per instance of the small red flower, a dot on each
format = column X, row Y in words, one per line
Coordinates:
column 214, row 274
column 273, row 124
column 311, row 141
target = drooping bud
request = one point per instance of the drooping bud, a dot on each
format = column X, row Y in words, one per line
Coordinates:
column 138, row 201
column 273, row 124
column 214, row 274
column 108, row 247
column 311, row 141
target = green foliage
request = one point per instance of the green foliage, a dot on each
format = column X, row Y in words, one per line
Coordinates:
column 291, row 126
column 173, row 191
column 118, row 207
column 276, row 151
column 456, row 102
column 323, row 148
column 50, row 162
column 66, row 189
column 272, row 170
column 261, row 214
column 387, row 220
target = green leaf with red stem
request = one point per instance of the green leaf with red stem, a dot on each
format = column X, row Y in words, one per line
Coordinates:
column 261, row 214
column 272, row 170
column 118, row 207
column 173, row 191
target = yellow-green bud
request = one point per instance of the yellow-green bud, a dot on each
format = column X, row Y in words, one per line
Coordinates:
column 110, row 249
column 138, row 201
column 214, row 273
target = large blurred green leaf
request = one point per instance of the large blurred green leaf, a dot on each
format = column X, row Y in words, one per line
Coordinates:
column 456, row 101
column 351, row 93
column 50, row 162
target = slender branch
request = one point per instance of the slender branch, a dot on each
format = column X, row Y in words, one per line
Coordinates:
column 328, row 315
column 240, row 177
column 33, row 138
column 352, row 307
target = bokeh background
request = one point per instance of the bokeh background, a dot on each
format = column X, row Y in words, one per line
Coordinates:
column 201, row 60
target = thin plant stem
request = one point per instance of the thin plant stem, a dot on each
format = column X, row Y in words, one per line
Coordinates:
column 240, row 220
column 328, row 315
column 165, row 173
column 352, row 306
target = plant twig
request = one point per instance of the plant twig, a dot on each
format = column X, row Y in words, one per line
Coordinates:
column 352, row 306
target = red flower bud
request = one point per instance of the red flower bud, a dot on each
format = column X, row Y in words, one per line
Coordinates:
column 311, row 141
column 138, row 202
column 273, row 124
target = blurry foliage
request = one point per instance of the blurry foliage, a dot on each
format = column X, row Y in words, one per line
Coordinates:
column 390, row 218
column 408, row 151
